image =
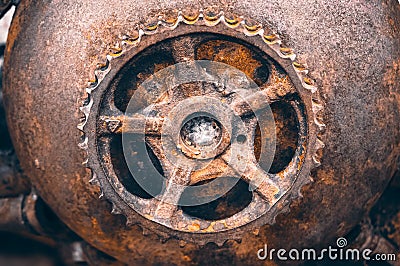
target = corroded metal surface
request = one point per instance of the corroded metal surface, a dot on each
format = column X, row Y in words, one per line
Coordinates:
column 12, row 181
column 355, row 66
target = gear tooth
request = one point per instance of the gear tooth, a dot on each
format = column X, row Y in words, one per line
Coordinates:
column 101, row 74
column 256, row 231
column 109, row 57
column 89, row 165
column 319, row 144
column 115, row 211
column 101, row 196
column 81, row 125
column 201, row 243
column 182, row 243
column 220, row 242
column 84, row 145
column 130, row 221
column 94, row 180
column 311, row 88
column 92, row 84
column 316, row 161
column 85, row 109
column 308, row 83
column 85, row 162
column 321, row 126
column 230, row 242
column 316, row 107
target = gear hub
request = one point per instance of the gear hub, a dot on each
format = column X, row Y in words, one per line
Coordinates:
column 201, row 131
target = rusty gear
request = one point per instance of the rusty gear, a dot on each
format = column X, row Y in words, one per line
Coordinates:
column 112, row 121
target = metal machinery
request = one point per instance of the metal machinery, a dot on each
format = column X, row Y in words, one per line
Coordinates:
column 206, row 129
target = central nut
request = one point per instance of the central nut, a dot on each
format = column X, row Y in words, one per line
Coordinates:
column 201, row 132
column 198, row 129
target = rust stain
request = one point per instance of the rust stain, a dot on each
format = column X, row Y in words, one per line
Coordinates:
column 327, row 176
column 391, row 79
column 229, row 53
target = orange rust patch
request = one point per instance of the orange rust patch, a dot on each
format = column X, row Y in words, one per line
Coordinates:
column 194, row 227
column 327, row 176
column 230, row 53
column 391, row 78
column 215, row 169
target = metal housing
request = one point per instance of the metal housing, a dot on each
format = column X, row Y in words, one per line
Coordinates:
column 351, row 49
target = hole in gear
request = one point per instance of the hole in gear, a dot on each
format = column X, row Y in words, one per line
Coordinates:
column 124, row 175
column 241, row 138
column 232, row 202
column 287, row 132
column 136, row 72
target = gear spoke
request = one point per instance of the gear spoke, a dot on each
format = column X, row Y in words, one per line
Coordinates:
column 274, row 90
column 259, row 180
column 136, row 124
column 175, row 185
column 257, row 100
column 252, row 103
column 240, row 157
column 217, row 168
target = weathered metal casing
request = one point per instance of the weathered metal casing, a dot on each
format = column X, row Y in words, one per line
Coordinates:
column 352, row 50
